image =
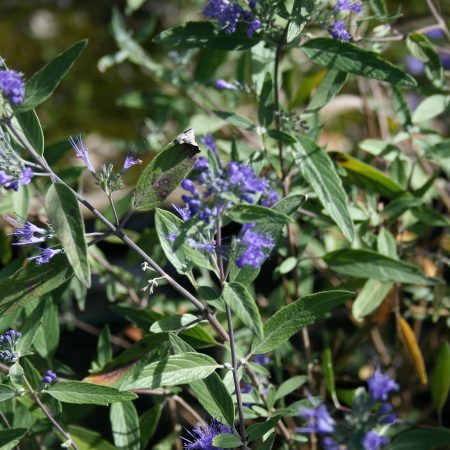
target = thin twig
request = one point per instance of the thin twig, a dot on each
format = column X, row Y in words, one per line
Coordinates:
column 234, row 362
column 440, row 21
column 49, row 415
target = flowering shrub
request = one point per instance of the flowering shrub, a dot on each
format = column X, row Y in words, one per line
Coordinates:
column 287, row 291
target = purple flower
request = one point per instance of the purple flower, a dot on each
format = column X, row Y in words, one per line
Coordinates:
column 329, row 444
column 130, row 161
column 12, row 86
column 8, row 341
column 380, row 385
column 346, row 5
column 209, row 142
column 435, row 34
column 203, row 434
column 223, row 85
column 184, row 213
column 261, row 359
column 252, row 4
column 338, row 31
column 172, row 236
column 374, row 441
column 25, row 232
column 46, row 254
column 201, row 163
column 318, row 420
column 25, row 176
column 445, row 60
column 5, row 178
column 415, row 66
column 269, row 199
column 254, row 243
column 189, row 186
column 48, row 377
column 246, row 388
column 225, row 12
column 206, row 246
column 243, row 177
column 254, row 25
column 386, row 416
column 81, row 151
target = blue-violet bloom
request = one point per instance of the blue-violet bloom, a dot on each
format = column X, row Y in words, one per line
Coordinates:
column 12, row 86
column 338, row 31
column 318, row 420
column 380, row 385
column 81, row 151
column 203, row 434
column 374, row 441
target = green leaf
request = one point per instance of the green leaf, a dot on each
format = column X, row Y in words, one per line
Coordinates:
column 6, row 392
column 329, row 86
column 10, row 437
column 42, row 84
column 236, row 120
column 205, row 35
column 439, row 151
column 30, row 329
column 88, row 439
column 430, row 107
column 257, row 430
column 386, row 243
column 437, row 438
column 47, row 336
column 346, row 57
column 440, row 381
column 421, row 47
column 243, row 305
column 367, row 176
column 215, row 398
column 30, row 128
column 226, row 440
column 256, row 213
column 211, row 391
column 79, row 392
column 173, row 370
column 173, row 323
column 290, row 385
column 301, row 13
column 148, row 423
column 370, row 297
column 369, row 264
column 33, row 281
column 104, row 349
column 292, row 318
column 327, row 367
column 166, row 171
column 319, row 171
column 125, row 426
column 182, row 258
column 65, row 216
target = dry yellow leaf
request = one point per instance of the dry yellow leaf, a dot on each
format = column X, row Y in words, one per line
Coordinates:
column 412, row 348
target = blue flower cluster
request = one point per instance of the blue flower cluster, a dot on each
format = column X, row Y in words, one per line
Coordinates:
column 12, row 86
column 370, row 411
column 338, row 28
column 8, row 341
column 27, row 233
column 203, row 434
column 13, row 173
column 215, row 190
column 48, row 377
column 256, row 247
column 229, row 13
